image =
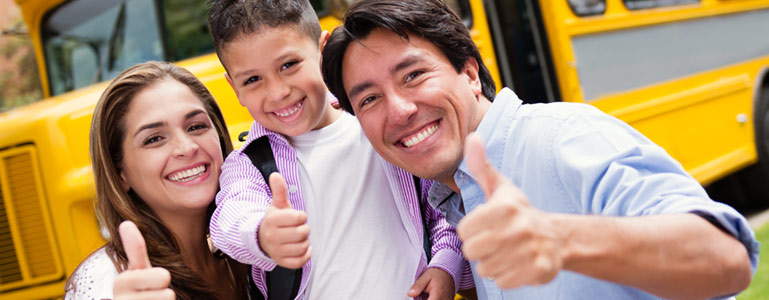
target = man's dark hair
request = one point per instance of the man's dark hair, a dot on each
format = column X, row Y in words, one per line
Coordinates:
column 228, row 19
column 432, row 20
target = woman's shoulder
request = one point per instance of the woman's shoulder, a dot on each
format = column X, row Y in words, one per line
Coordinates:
column 94, row 278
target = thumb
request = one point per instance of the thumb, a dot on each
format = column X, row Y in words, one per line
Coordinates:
column 487, row 177
column 278, row 188
column 419, row 286
column 134, row 246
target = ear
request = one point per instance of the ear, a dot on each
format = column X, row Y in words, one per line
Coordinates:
column 323, row 39
column 234, row 88
column 124, row 181
column 473, row 79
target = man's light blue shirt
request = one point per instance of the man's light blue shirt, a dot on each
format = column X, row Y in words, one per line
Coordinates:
column 573, row 158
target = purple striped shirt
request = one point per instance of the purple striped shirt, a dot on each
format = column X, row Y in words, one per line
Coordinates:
column 244, row 196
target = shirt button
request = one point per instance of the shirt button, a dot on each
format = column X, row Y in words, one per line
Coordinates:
column 292, row 189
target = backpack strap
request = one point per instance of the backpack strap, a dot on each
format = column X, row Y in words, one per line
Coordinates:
column 426, row 242
column 282, row 283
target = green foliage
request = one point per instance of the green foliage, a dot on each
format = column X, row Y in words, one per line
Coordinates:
column 19, row 79
column 759, row 287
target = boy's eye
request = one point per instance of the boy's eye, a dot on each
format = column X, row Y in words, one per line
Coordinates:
column 288, row 65
column 413, row 75
column 152, row 139
column 252, row 79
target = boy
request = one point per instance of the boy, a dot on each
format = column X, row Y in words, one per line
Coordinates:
column 365, row 219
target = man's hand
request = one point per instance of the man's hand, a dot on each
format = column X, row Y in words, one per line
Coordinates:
column 284, row 232
column 514, row 243
column 436, row 283
column 141, row 280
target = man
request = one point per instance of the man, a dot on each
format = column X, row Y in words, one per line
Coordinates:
column 596, row 211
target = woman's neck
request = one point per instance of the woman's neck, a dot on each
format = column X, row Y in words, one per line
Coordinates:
column 190, row 232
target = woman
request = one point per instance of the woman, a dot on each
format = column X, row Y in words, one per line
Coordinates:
column 157, row 143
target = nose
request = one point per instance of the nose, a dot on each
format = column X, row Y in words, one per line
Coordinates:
column 278, row 90
column 400, row 109
column 185, row 146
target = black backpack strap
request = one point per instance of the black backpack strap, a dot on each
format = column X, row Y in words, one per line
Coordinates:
column 282, row 283
column 426, row 242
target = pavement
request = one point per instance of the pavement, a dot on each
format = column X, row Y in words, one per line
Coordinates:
column 758, row 220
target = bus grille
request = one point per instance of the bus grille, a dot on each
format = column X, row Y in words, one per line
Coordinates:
column 27, row 255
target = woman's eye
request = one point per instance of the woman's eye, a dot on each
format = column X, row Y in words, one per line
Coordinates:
column 413, row 75
column 252, row 79
column 197, row 127
column 288, row 65
column 152, row 139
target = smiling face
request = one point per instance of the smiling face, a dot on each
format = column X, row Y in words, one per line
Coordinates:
column 275, row 73
column 412, row 104
column 172, row 156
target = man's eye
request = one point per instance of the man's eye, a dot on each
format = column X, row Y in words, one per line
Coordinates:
column 252, row 79
column 413, row 75
column 367, row 100
column 152, row 139
column 288, row 65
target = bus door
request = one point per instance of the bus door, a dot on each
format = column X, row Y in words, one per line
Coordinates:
column 522, row 49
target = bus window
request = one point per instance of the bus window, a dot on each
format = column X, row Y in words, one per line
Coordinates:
column 185, row 39
column 587, row 7
column 641, row 4
column 90, row 41
column 320, row 6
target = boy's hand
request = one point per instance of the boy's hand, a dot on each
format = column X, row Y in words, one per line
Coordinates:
column 436, row 283
column 514, row 243
column 284, row 232
column 141, row 280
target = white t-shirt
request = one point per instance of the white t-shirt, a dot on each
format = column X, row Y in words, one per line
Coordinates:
column 94, row 278
column 360, row 247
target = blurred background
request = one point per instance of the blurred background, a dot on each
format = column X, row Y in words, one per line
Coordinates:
column 689, row 74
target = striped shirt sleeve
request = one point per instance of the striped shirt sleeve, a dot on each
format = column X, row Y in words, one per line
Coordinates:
column 446, row 246
column 241, row 203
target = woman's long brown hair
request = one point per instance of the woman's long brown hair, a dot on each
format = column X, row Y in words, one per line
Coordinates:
column 115, row 205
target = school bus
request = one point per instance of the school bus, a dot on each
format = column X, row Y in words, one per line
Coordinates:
column 689, row 74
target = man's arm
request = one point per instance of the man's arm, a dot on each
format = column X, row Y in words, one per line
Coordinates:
column 673, row 256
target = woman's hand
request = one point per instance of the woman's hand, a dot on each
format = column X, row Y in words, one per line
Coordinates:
column 141, row 280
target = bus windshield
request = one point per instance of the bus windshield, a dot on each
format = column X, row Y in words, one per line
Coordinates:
column 86, row 42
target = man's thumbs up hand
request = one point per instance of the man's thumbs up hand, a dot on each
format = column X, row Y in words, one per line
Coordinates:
column 284, row 232
column 514, row 243
column 141, row 280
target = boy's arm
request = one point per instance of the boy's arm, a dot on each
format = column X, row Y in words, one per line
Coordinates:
column 446, row 246
column 241, row 203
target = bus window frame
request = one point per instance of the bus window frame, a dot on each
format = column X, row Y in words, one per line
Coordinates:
column 590, row 14
column 657, row 4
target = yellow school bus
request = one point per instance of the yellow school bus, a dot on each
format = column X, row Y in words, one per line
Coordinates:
column 47, row 221
column 690, row 74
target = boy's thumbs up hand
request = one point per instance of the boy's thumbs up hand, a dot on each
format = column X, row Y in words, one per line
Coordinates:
column 141, row 280
column 514, row 243
column 284, row 232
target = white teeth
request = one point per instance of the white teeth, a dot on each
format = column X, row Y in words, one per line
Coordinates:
column 421, row 136
column 290, row 112
column 188, row 175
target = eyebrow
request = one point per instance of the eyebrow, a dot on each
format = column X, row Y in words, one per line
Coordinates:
column 243, row 73
column 278, row 59
column 188, row 116
column 409, row 61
